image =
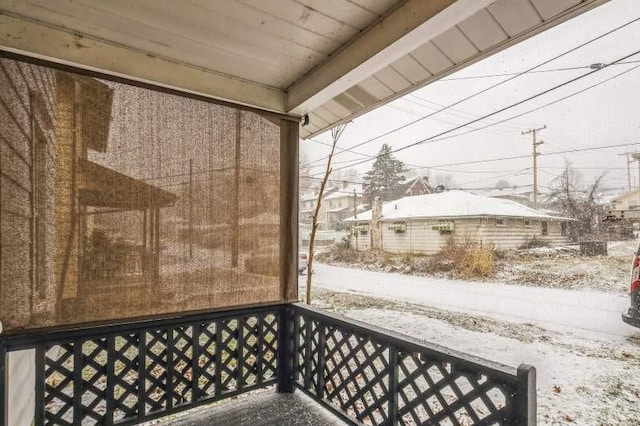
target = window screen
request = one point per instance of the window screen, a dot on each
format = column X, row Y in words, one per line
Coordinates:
column 120, row 201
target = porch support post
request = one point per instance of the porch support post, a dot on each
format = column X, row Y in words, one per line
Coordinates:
column 526, row 401
column 4, row 373
column 286, row 350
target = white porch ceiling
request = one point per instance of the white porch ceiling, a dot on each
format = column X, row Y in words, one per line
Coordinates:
column 332, row 59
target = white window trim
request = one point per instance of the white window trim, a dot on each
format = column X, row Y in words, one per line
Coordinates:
column 501, row 225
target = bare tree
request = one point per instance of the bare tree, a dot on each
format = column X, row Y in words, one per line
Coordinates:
column 578, row 201
column 445, row 180
column 336, row 132
column 306, row 182
column 503, row 184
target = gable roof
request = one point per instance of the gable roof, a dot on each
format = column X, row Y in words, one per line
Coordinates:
column 345, row 192
column 418, row 180
column 625, row 195
column 454, row 204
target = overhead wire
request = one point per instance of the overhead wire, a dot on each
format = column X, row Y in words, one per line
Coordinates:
column 438, row 137
column 492, row 86
column 531, row 72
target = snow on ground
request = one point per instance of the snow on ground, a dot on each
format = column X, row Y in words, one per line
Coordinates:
column 596, row 313
column 553, row 267
column 587, row 359
column 601, row 273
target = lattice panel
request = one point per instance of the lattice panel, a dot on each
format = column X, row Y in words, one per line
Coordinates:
column 155, row 395
column 94, row 381
column 126, row 368
column 374, row 377
column 269, row 347
column 357, row 375
column 307, row 354
column 434, row 392
column 228, row 353
column 182, row 366
column 58, row 376
column 129, row 375
column 207, row 361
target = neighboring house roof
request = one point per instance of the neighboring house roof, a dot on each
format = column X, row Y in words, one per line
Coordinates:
column 308, row 197
column 345, row 192
column 521, row 192
column 625, row 195
column 418, row 180
column 454, row 204
column 337, row 210
column 334, row 192
column 104, row 187
column 550, row 212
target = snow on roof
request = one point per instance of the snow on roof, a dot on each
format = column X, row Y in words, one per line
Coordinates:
column 337, row 210
column 345, row 192
column 626, row 194
column 522, row 192
column 453, row 204
column 309, row 197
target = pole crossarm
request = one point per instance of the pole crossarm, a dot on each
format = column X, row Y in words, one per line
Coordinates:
column 535, row 154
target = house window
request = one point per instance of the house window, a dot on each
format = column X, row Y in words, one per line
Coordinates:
column 545, row 228
column 398, row 227
column 361, row 228
column 445, row 227
column 501, row 222
column 527, row 223
column 563, row 229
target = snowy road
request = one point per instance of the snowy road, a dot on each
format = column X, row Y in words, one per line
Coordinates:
column 579, row 312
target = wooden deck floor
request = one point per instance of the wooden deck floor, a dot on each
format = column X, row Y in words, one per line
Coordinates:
column 260, row 408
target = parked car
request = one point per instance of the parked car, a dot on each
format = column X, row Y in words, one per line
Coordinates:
column 632, row 315
column 303, row 262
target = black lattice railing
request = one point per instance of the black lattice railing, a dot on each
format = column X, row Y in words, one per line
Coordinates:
column 128, row 373
column 371, row 376
column 124, row 374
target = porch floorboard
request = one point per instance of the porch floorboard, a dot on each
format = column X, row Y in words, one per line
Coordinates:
column 263, row 407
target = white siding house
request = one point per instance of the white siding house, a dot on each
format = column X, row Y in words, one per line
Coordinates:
column 421, row 224
column 628, row 201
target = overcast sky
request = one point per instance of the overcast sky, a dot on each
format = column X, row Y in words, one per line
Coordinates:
column 608, row 114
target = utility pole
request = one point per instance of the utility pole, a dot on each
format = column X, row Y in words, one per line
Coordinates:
column 629, row 161
column 636, row 157
column 631, row 157
column 355, row 203
column 535, row 154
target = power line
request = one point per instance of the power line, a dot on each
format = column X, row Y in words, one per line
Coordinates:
column 506, row 74
column 517, row 157
column 436, row 138
column 494, row 86
column 517, row 173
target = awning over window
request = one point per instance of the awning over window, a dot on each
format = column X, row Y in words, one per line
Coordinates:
column 443, row 226
column 100, row 186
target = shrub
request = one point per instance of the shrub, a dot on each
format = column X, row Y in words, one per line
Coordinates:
column 467, row 259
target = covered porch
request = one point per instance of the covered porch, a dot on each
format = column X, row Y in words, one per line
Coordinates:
column 267, row 74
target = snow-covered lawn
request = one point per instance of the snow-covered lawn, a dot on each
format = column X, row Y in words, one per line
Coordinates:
column 557, row 267
column 587, row 359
